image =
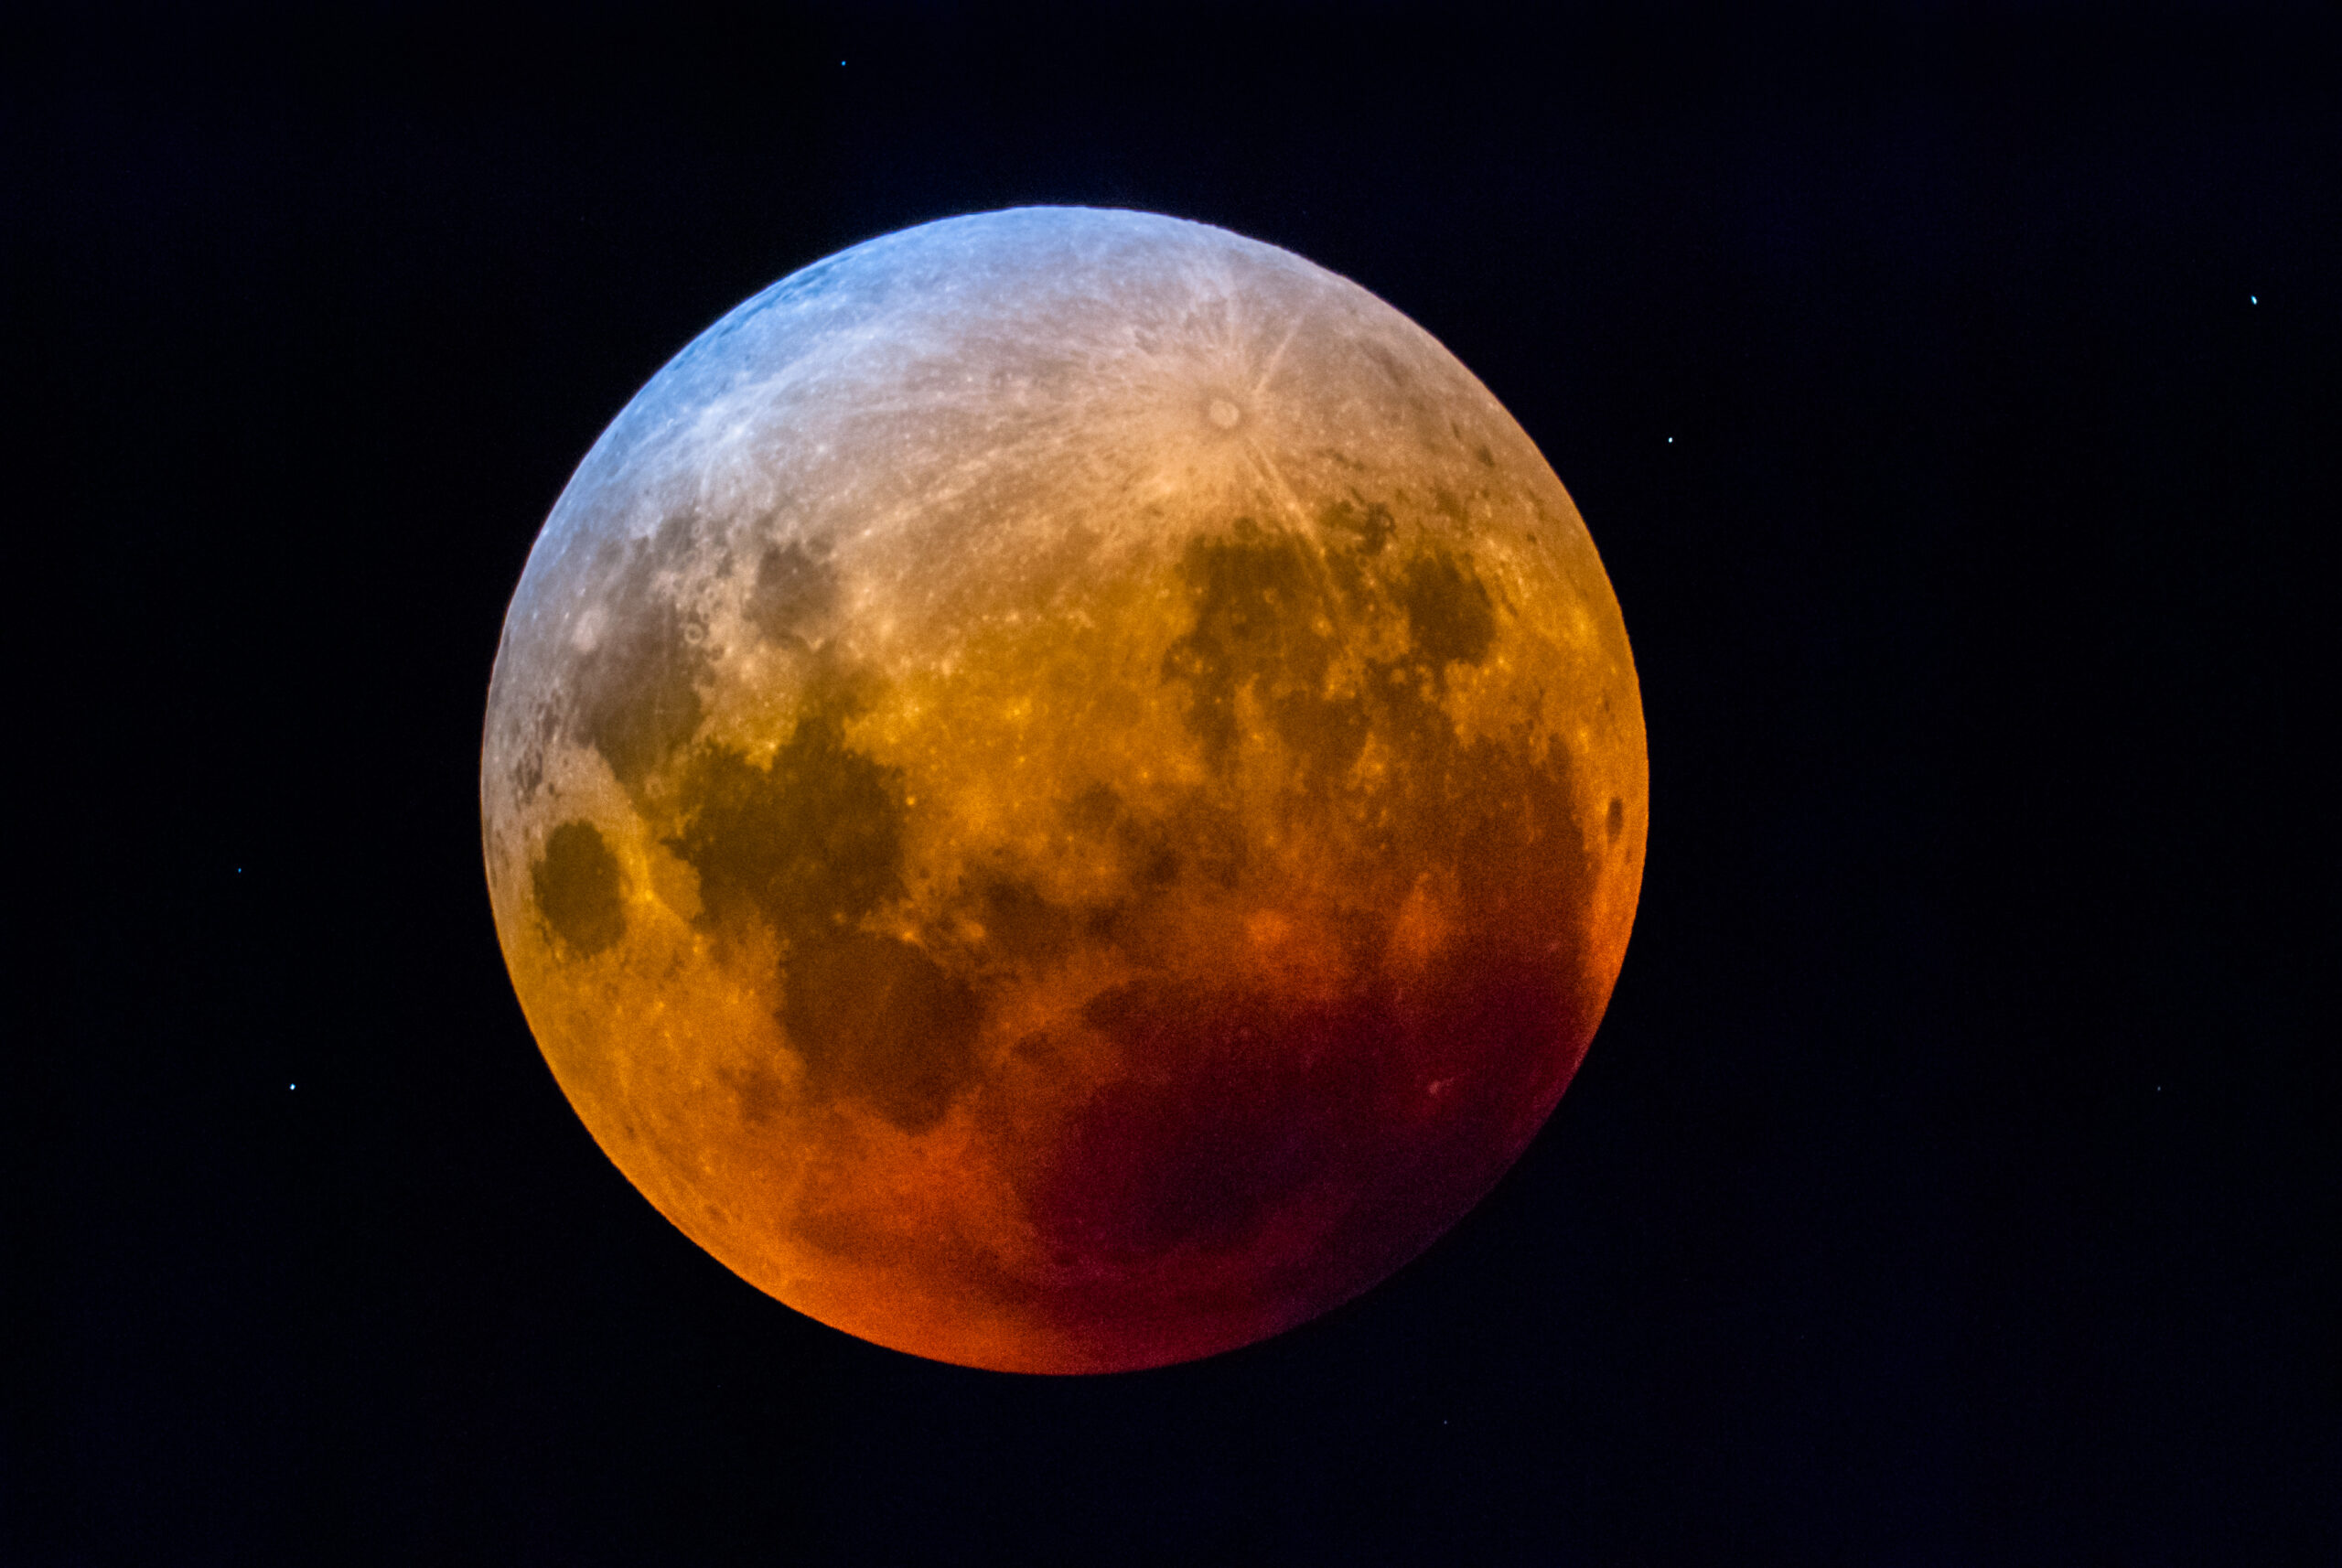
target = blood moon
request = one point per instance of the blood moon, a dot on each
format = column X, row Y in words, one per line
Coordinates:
column 1064, row 790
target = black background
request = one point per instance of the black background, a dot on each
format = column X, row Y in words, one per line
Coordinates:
column 1947, row 1183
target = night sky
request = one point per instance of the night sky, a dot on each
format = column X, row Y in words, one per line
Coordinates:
column 1953, row 395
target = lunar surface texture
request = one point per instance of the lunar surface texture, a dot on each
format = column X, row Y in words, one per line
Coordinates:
column 1064, row 790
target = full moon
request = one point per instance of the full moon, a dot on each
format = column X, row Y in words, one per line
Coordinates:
column 1064, row 790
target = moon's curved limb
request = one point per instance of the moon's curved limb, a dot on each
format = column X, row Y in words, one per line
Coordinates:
column 1064, row 790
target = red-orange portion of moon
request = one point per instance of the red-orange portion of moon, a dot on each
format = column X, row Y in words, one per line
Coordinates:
column 1064, row 790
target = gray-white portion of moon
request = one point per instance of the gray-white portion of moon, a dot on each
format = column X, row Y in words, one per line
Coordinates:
column 889, row 450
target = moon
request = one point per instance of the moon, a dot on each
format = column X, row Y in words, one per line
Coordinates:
column 1064, row 790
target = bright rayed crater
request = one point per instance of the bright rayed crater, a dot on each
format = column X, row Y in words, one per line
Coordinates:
column 1064, row 790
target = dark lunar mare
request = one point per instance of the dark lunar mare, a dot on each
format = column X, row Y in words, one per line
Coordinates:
column 810, row 845
column 796, row 590
column 579, row 888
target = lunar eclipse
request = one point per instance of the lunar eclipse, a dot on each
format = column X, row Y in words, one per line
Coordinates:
column 1064, row 790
